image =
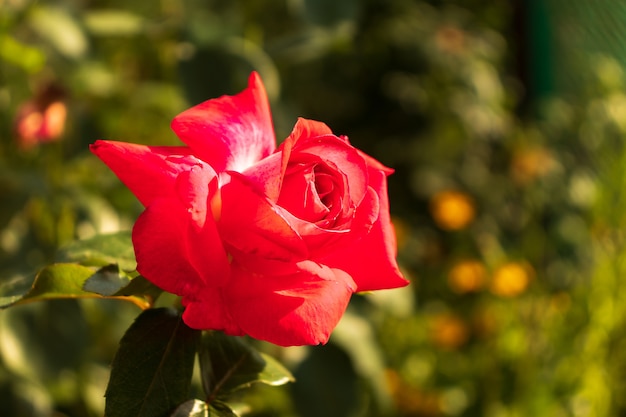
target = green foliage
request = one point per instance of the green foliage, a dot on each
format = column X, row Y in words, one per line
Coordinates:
column 107, row 280
column 151, row 372
column 229, row 364
column 101, row 250
column 56, row 281
column 192, row 408
column 340, row 395
column 519, row 285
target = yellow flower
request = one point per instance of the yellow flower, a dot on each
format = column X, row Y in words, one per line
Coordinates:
column 511, row 279
column 531, row 163
column 448, row 331
column 452, row 210
column 412, row 400
column 467, row 276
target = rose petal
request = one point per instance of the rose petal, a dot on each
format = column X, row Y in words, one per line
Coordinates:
column 162, row 255
column 266, row 175
column 175, row 253
column 371, row 261
column 300, row 308
column 375, row 164
column 299, row 194
column 148, row 171
column 342, row 157
column 321, row 241
column 306, row 129
column 208, row 311
column 196, row 188
column 316, row 139
column 230, row 132
column 251, row 223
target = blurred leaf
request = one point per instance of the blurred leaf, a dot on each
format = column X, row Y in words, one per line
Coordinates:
column 355, row 335
column 330, row 12
column 60, row 29
column 141, row 287
column 108, row 280
column 96, row 78
column 23, row 398
column 228, row 363
column 198, row 408
column 221, row 409
column 113, row 22
column 151, row 372
column 54, row 281
column 39, row 341
column 64, row 280
column 192, row 408
column 274, row 373
column 29, row 58
column 339, row 396
column 101, row 250
column 213, row 61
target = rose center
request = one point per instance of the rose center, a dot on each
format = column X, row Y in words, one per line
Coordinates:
column 309, row 192
column 324, row 186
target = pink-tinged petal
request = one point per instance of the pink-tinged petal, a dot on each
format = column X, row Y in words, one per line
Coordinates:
column 148, row 171
column 266, row 175
column 300, row 308
column 207, row 310
column 230, row 132
column 250, row 223
column 371, row 261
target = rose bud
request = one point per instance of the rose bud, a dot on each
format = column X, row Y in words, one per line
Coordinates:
column 41, row 119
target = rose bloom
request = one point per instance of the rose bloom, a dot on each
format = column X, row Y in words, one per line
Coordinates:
column 258, row 240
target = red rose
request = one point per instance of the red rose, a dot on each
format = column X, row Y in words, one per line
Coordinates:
column 257, row 240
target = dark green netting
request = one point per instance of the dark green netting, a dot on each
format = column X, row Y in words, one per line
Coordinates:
column 570, row 39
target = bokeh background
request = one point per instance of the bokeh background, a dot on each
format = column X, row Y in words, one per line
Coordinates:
column 504, row 121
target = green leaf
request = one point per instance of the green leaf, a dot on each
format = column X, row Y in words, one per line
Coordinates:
column 228, row 363
column 151, row 372
column 198, row 408
column 192, row 408
column 60, row 29
column 54, row 281
column 113, row 22
column 274, row 373
column 65, row 280
column 139, row 286
column 221, row 409
column 29, row 58
column 40, row 341
column 340, row 395
column 108, row 280
column 101, row 250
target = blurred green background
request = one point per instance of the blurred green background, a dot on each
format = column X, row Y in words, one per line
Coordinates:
column 503, row 119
